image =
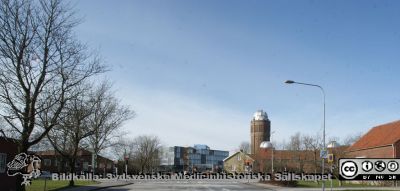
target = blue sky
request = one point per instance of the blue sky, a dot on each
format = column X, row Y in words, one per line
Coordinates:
column 196, row 71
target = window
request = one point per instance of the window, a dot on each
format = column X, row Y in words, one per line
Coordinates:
column 47, row 162
column 3, row 162
column 239, row 157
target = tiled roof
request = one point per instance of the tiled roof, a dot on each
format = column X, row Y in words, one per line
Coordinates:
column 239, row 152
column 382, row 135
column 289, row 154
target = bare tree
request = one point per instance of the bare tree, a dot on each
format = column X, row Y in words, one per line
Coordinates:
column 124, row 149
column 143, row 152
column 40, row 63
column 74, row 126
column 147, row 152
column 295, row 142
column 351, row 139
column 295, row 145
column 313, row 143
column 245, row 147
column 107, row 117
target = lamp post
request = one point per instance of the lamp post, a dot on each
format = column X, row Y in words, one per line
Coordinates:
column 324, row 146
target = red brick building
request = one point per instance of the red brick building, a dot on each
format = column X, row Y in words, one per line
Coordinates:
column 54, row 162
column 382, row 141
column 307, row 161
column 288, row 160
column 8, row 150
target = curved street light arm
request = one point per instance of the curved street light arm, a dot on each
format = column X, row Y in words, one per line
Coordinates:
column 324, row 144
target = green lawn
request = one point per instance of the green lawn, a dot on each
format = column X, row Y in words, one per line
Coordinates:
column 53, row 185
column 335, row 183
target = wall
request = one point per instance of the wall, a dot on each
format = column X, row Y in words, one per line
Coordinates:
column 259, row 131
column 82, row 159
column 380, row 152
column 236, row 163
column 7, row 146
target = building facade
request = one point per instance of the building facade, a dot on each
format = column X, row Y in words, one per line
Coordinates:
column 239, row 162
column 199, row 158
column 55, row 163
column 307, row 161
column 8, row 150
column 269, row 159
column 382, row 141
column 260, row 130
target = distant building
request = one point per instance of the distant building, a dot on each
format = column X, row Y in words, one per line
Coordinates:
column 284, row 160
column 239, row 162
column 260, row 130
column 382, row 141
column 8, row 150
column 54, row 162
column 198, row 158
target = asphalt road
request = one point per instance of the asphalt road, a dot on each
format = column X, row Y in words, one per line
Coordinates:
column 195, row 186
column 221, row 186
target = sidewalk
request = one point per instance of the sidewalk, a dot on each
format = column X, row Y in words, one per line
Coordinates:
column 102, row 185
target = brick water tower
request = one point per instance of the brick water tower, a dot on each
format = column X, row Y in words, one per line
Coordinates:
column 260, row 130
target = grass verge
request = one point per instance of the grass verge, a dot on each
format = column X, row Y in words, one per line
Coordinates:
column 335, row 184
column 54, row 185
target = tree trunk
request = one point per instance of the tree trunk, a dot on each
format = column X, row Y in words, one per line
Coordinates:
column 72, row 171
column 22, row 148
column 18, row 182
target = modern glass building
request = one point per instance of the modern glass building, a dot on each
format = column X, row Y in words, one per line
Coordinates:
column 199, row 158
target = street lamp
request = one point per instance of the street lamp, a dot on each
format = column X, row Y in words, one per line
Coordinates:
column 268, row 145
column 323, row 93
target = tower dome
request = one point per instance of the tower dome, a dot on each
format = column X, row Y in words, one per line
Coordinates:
column 260, row 115
column 266, row 145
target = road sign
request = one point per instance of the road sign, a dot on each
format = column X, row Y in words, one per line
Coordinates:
column 323, row 154
column 330, row 158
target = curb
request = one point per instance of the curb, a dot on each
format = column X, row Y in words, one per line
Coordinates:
column 104, row 187
column 112, row 186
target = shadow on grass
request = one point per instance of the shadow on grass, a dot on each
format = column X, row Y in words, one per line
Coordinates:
column 66, row 188
column 93, row 188
column 40, row 185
